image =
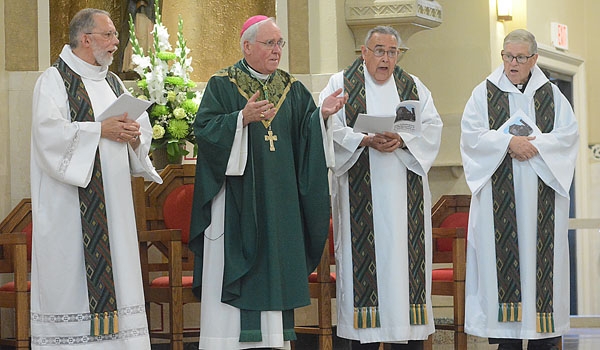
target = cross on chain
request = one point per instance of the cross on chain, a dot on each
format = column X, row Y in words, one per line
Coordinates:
column 271, row 138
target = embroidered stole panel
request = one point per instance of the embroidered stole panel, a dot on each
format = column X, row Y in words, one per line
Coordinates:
column 366, row 305
column 505, row 219
column 98, row 262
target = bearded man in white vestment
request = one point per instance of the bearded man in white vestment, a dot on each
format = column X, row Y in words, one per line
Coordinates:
column 519, row 145
column 375, row 85
column 73, row 154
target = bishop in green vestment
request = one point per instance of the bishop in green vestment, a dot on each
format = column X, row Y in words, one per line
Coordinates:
column 261, row 203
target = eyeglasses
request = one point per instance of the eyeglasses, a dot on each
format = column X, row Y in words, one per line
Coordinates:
column 392, row 53
column 107, row 35
column 508, row 58
column 270, row 44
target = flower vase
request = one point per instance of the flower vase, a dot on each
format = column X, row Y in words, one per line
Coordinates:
column 160, row 158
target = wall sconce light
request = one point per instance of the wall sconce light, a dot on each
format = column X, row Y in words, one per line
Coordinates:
column 504, row 10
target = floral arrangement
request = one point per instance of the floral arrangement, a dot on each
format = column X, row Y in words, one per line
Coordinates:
column 165, row 81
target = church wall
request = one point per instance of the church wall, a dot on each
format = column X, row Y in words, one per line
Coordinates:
column 298, row 33
column 212, row 29
column 19, row 110
column 21, row 40
column 592, row 46
column 325, row 36
column 582, row 43
column 451, row 60
column 5, row 136
column 541, row 13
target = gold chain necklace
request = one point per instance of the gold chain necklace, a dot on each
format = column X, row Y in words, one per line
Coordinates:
column 269, row 137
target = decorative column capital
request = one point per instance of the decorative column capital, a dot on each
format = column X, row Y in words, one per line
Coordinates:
column 406, row 16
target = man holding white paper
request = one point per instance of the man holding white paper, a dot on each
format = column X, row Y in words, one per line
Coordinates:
column 86, row 284
column 381, row 202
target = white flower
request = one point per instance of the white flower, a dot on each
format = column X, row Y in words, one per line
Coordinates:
column 158, row 132
column 179, row 113
column 163, row 37
column 142, row 64
column 178, row 70
column 141, row 61
column 198, row 97
column 165, row 80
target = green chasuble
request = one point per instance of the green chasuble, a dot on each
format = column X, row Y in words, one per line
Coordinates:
column 277, row 212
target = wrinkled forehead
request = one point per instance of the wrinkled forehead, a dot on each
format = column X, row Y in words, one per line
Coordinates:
column 517, row 48
column 103, row 22
column 267, row 31
column 383, row 40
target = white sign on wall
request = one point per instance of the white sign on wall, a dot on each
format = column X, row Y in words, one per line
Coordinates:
column 560, row 35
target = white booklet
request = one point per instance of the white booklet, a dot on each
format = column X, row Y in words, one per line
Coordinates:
column 407, row 120
column 520, row 125
column 125, row 103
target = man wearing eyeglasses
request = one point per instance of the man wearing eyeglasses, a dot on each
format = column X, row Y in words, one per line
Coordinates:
column 261, row 205
column 381, row 201
column 519, row 145
column 86, row 283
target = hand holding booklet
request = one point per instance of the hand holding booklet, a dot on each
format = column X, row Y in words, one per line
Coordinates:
column 407, row 120
column 125, row 103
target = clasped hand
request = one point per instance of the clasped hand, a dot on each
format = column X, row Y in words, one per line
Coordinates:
column 385, row 142
column 520, row 148
column 120, row 129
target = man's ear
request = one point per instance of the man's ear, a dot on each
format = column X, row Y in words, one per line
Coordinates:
column 85, row 40
column 363, row 51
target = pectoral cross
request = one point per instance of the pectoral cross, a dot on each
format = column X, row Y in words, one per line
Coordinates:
column 271, row 138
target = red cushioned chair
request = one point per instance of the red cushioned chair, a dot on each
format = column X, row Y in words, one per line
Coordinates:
column 15, row 259
column 321, row 284
column 163, row 214
column 449, row 218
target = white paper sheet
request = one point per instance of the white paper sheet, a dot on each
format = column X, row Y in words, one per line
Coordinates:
column 373, row 124
column 125, row 103
column 406, row 120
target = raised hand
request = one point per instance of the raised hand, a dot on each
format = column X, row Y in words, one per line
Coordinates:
column 333, row 103
column 255, row 111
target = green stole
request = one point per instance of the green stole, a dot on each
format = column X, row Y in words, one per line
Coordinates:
column 505, row 219
column 275, row 89
column 98, row 262
column 366, row 304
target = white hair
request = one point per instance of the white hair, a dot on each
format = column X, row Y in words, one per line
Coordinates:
column 250, row 33
column 521, row 36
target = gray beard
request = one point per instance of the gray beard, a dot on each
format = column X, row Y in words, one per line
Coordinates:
column 102, row 58
column 104, row 61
